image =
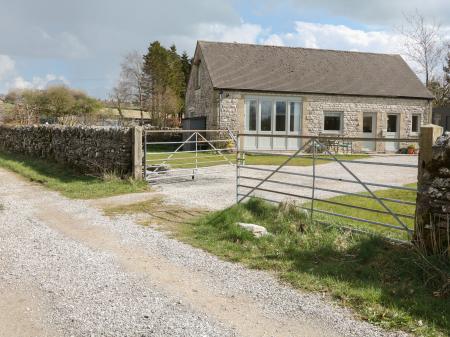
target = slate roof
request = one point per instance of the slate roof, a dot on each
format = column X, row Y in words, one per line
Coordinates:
column 304, row 70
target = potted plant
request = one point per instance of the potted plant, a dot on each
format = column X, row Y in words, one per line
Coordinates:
column 411, row 149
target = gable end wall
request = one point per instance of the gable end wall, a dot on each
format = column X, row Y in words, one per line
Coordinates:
column 203, row 101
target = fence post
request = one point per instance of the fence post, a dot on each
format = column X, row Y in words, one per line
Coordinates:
column 423, row 233
column 136, row 141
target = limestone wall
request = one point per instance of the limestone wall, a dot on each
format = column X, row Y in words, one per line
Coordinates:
column 88, row 149
column 232, row 112
column 353, row 109
column 433, row 198
column 201, row 100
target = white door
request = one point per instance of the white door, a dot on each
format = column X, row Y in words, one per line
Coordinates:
column 393, row 127
column 369, row 131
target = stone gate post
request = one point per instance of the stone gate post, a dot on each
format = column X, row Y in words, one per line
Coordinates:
column 433, row 186
column 137, row 152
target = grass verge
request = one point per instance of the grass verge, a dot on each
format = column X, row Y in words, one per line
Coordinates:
column 67, row 181
column 385, row 283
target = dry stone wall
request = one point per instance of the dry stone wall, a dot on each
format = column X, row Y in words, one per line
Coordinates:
column 88, row 149
column 433, row 198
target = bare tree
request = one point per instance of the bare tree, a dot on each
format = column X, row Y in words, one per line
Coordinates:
column 133, row 81
column 120, row 95
column 423, row 43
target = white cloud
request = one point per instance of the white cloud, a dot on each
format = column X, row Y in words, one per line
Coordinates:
column 37, row 82
column 214, row 31
column 244, row 32
column 273, row 40
column 316, row 35
column 10, row 78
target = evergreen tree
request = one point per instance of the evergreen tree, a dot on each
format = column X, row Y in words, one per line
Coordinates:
column 186, row 64
column 164, row 68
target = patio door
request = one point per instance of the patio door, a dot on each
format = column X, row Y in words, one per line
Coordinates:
column 272, row 116
column 393, row 127
column 265, row 124
column 369, row 131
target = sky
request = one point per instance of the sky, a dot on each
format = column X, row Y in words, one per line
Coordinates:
column 81, row 43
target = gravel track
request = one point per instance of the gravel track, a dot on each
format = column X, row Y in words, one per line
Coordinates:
column 75, row 272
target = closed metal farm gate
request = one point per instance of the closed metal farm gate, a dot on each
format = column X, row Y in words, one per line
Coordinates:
column 373, row 193
column 187, row 154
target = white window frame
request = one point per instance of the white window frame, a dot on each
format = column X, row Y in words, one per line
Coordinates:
column 341, row 122
column 419, row 116
column 300, row 122
column 273, row 99
column 247, row 117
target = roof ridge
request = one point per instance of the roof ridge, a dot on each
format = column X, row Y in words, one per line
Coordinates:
column 295, row 47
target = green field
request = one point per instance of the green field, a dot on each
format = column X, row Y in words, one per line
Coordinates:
column 211, row 158
column 368, row 215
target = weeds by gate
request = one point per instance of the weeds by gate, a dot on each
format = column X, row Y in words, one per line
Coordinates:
column 340, row 194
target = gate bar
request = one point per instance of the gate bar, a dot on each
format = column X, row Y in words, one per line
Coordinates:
column 330, row 178
column 367, row 196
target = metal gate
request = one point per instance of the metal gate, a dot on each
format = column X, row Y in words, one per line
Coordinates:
column 186, row 154
column 379, row 209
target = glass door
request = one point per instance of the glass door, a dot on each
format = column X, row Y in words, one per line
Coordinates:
column 392, row 131
column 369, row 131
column 280, row 128
column 265, row 125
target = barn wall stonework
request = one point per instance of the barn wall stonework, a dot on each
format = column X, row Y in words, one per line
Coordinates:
column 201, row 99
column 353, row 108
column 87, row 149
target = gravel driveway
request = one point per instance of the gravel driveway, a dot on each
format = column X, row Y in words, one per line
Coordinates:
column 67, row 270
column 218, row 190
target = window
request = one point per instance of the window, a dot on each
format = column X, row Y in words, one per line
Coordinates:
column 332, row 122
column 266, row 115
column 368, row 124
column 251, row 115
column 197, row 75
column 415, row 123
column 273, row 114
column 392, row 123
column 294, row 116
column 280, row 116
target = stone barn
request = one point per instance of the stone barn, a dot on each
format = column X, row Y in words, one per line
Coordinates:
column 268, row 90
